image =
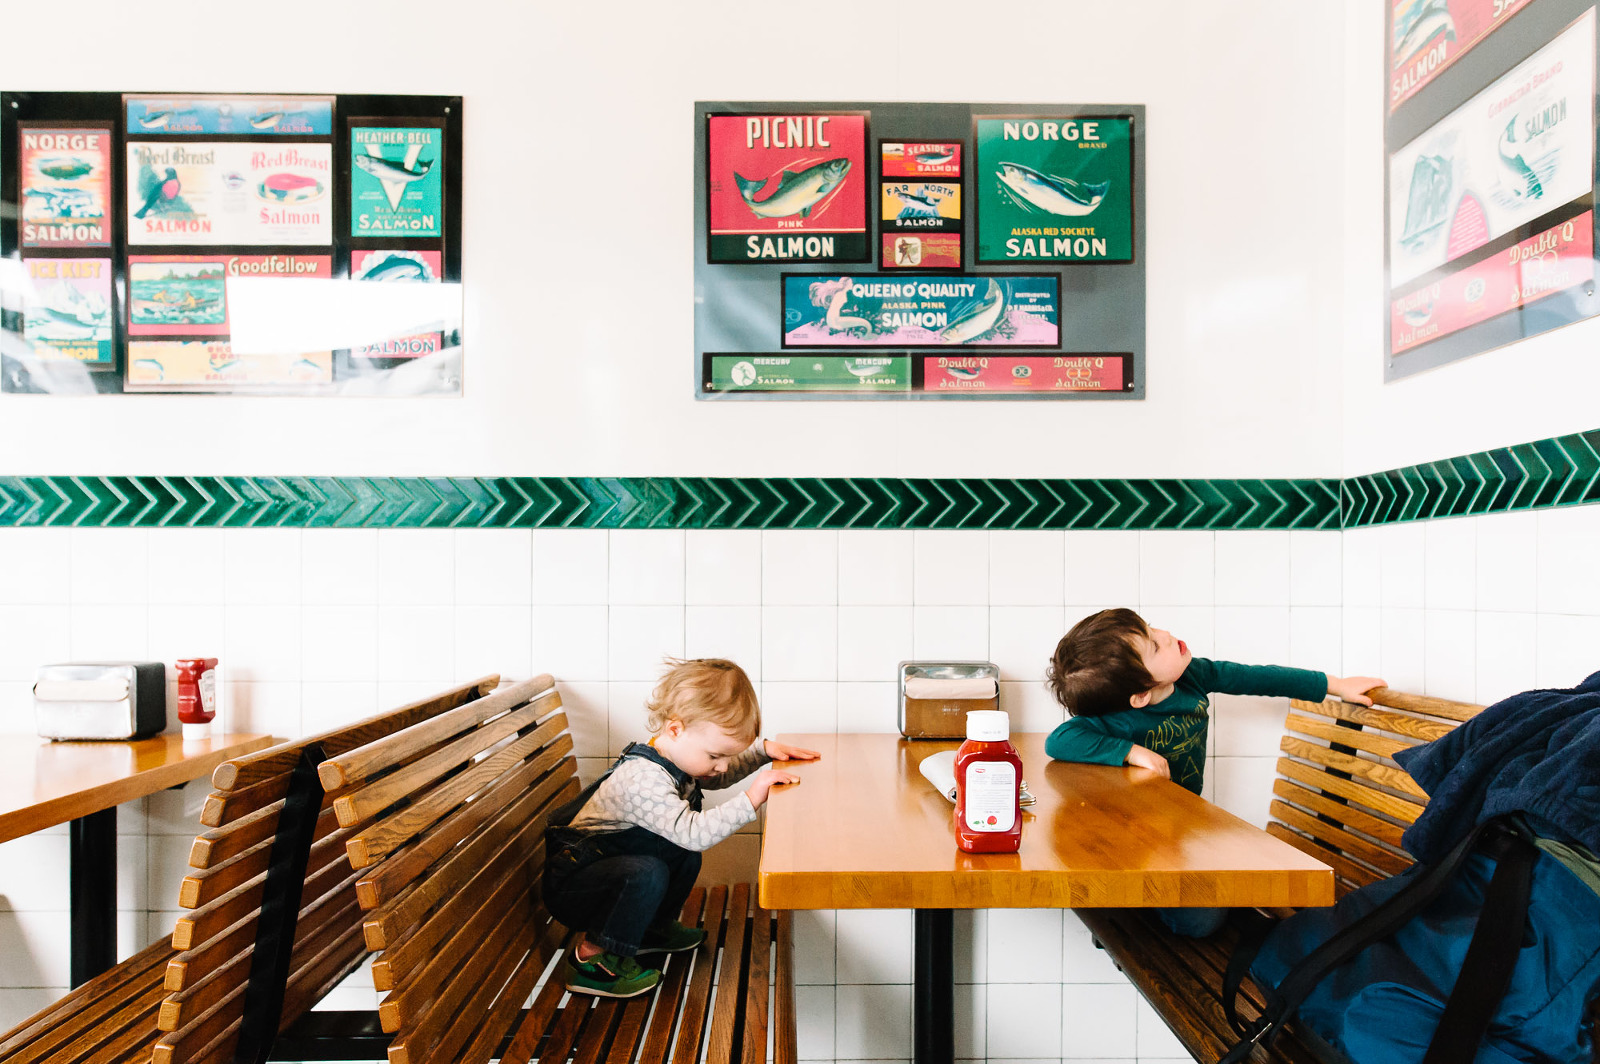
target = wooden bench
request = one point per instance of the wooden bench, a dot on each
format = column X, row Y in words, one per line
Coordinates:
column 447, row 821
column 1339, row 797
column 274, row 922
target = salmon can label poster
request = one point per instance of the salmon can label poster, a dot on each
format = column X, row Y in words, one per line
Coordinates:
column 1491, row 176
column 216, row 243
column 902, row 251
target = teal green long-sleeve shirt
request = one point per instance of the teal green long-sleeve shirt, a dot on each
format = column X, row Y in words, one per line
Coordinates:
column 1176, row 726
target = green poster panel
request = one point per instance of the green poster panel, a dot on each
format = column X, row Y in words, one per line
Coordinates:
column 396, row 181
column 808, row 373
column 1054, row 189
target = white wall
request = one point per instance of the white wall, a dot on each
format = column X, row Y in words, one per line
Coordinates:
column 1541, row 387
column 577, row 234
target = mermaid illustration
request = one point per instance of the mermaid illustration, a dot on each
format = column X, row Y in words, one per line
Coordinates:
column 833, row 295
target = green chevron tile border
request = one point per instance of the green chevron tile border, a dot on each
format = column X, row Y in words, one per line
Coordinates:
column 1556, row 472
column 1561, row 471
column 663, row 502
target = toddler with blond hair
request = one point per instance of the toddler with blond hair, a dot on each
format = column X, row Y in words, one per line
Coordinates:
column 623, row 855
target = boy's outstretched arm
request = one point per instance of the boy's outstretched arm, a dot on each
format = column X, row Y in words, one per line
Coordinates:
column 1077, row 739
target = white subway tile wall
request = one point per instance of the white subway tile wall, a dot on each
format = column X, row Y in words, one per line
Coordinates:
column 319, row 627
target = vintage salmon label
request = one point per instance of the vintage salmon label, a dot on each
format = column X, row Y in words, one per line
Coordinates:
column 68, row 312
column 65, row 186
column 229, row 193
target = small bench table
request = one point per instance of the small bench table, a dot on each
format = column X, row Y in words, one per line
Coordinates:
column 867, row 831
column 45, row 783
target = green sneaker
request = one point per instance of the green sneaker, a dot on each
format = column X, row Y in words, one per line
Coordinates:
column 671, row 938
column 608, row 975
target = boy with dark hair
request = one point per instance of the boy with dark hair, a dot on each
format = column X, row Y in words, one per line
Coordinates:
column 1137, row 697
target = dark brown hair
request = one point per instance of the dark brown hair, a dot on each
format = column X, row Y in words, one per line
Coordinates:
column 1097, row 666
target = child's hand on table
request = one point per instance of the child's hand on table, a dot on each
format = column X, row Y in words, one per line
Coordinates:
column 1354, row 688
column 763, row 783
column 785, row 752
column 1139, row 757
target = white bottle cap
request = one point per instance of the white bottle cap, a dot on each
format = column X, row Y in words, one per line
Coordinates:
column 196, row 732
column 988, row 725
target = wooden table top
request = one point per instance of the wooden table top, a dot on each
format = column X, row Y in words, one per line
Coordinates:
column 865, row 830
column 44, row 783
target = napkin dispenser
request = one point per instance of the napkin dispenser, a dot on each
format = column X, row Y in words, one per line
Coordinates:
column 935, row 696
column 100, row 700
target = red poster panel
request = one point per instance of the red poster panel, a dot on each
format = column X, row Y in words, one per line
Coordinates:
column 1023, row 373
column 1426, row 36
column 1554, row 261
column 787, row 188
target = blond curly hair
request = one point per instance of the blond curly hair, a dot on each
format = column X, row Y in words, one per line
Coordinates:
column 705, row 689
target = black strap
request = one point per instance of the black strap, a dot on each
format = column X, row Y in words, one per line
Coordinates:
column 1492, row 956
column 1383, row 921
column 1251, row 937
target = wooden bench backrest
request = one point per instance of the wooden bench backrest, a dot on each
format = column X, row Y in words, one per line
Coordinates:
column 206, row 981
column 444, row 822
column 1339, row 795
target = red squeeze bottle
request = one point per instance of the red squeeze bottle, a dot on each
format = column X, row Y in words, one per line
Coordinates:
column 197, row 695
column 988, row 786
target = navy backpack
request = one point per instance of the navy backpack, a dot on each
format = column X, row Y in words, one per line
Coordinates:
column 1489, row 956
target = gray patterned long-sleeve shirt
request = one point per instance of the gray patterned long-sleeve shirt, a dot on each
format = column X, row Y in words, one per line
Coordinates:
column 640, row 793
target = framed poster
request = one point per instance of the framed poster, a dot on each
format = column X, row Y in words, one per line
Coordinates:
column 918, row 297
column 1490, row 191
column 787, row 187
column 211, row 243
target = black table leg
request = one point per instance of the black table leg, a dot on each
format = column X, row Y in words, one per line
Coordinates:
column 94, row 894
column 933, row 1025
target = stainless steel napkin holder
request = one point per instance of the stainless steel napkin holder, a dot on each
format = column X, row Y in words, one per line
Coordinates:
column 100, row 700
column 943, row 718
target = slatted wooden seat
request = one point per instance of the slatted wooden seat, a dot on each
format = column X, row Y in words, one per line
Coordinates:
column 209, row 980
column 111, row 1018
column 444, row 822
column 1339, row 797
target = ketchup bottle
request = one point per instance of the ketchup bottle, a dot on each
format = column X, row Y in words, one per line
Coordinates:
column 197, row 695
column 988, row 786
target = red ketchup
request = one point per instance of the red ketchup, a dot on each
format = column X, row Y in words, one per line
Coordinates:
column 988, row 786
column 197, row 695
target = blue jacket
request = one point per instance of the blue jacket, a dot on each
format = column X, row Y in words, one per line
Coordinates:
column 1537, row 753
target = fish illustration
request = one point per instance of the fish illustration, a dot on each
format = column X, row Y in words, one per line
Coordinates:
column 1418, row 315
column 156, row 119
column 162, row 195
column 937, row 157
column 266, row 120
column 305, row 370
column 1511, row 155
column 797, row 193
column 1428, row 200
column 1050, row 194
column 396, row 268
column 392, row 170
column 1432, row 17
column 149, row 369
column 983, row 316
column 289, row 188
column 65, row 169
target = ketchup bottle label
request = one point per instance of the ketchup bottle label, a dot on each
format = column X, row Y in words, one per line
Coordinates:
column 991, row 796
